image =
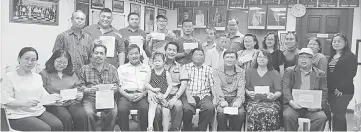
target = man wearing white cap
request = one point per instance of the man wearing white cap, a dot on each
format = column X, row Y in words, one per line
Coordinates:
column 303, row 76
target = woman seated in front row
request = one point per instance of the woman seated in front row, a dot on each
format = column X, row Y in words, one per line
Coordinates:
column 58, row 75
column 22, row 94
column 263, row 88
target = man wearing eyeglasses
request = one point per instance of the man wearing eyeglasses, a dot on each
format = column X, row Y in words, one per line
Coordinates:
column 104, row 33
column 304, row 76
column 234, row 35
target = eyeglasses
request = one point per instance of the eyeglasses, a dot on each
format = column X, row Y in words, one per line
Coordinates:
column 62, row 63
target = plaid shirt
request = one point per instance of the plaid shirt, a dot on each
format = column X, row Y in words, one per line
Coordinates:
column 200, row 80
column 90, row 76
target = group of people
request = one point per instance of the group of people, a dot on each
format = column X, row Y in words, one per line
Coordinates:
column 221, row 72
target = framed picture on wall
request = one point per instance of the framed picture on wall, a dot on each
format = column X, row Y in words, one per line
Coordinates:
column 162, row 12
column 358, row 51
column 240, row 16
column 277, row 17
column 184, row 13
column 257, row 17
column 34, row 12
column 149, row 16
column 217, row 16
column 83, row 5
column 98, row 4
column 200, row 17
column 118, row 6
column 135, row 8
column 282, row 41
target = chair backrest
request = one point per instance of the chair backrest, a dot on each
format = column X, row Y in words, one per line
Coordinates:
column 5, row 126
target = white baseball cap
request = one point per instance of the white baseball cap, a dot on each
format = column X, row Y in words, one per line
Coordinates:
column 306, row 51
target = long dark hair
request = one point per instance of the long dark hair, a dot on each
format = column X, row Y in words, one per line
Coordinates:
column 345, row 49
column 318, row 42
column 49, row 65
column 275, row 35
column 256, row 46
column 269, row 57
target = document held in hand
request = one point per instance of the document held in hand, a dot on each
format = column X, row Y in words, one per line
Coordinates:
column 261, row 89
column 104, row 99
column 308, row 98
column 190, row 45
column 102, row 87
column 158, row 36
column 109, row 42
column 68, row 94
column 230, row 110
column 47, row 99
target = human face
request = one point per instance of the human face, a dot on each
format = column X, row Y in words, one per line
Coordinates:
column 338, row 43
column 60, row 63
column 290, row 41
column 187, row 28
column 221, row 42
column 199, row 11
column 162, row 23
column 99, row 55
column 270, row 40
column 198, row 57
column 232, row 26
column 105, row 19
column 249, row 42
column 262, row 60
column 133, row 20
column 134, row 56
column 312, row 44
column 210, row 35
column 28, row 61
column 230, row 59
column 171, row 51
column 305, row 60
column 78, row 20
column 186, row 15
column 158, row 62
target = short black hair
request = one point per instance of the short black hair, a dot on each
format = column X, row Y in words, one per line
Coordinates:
column 26, row 49
column 161, row 16
column 77, row 11
column 158, row 54
column 212, row 29
column 100, row 45
column 196, row 49
column 221, row 35
column 233, row 19
column 230, row 52
column 186, row 20
column 256, row 46
column 49, row 65
column 133, row 46
column 171, row 43
column 132, row 13
column 106, row 10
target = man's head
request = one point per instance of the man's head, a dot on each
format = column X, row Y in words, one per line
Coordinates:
column 99, row 53
column 230, row 57
column 210, row 34
column 305, row 58
column 187, row 27
column 199, row 11
column 197, row 56
column 78, row 19
column 133, row 19
column 232, row 25
column 162, row 22
column 134, row 54
column 106, row 17
column 221, row 41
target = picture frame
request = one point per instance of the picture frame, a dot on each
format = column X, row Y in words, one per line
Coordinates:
column 358, row 51
column 135, row 8
column 276, row 17
column 41, row 12
column 97, row 4
column 183, row 14
column 217, row 17
column 282, row 41
column 118, row 6
column 162, row 12
column 257, row 17
column 83, row 5
column 200, row 17
column 149, row 19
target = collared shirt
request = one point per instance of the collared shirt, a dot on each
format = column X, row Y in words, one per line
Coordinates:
column 158, row 45
column 177, row 73
column 306, row 80
column 236, row 42
column 90, row 76
column 95, row 33
column 206, row 46
column 133, row 78
column 126, row 32
column 79, row 47
column 229, row 86
column 214, row 59
column 200, row 80
column 187, row 58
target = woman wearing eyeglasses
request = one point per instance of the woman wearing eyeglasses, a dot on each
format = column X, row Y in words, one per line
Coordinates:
column 342, row 68
column 271, row 44
column 319, row 60
column 58, row 77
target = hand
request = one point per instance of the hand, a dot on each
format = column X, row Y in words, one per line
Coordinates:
column 337, row 93
column 171, row 35
column 30, row 103
column 156, row 90
column 98, row 41
column 56, row 97
column 91, row 90
column 251, row 94
column 138, row 96
column 114, row 88
column 130, row 97
column 171, row 102
column 271, row 96
column 148, row 37
column 79, row 96
column 223, row 104
column 187, row 51
column 236, row 104
column 164, row 96
column 191, row 101
column 220, row 109
column 294, row 104
column 313, row 109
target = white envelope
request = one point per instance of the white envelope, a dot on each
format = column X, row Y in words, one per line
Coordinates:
column 230, row 110
column 47, row 99
column 104, row 99
column 136, row 39
column 158, row 36
column 307, row 98
column 68, row 94
column 109, row 42
column 190, row 45
column 261, row 89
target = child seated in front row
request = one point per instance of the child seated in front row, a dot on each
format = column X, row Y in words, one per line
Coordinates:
column 161, row 85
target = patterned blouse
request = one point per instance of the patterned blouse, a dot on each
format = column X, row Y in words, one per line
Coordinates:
column 159, row 81
column 248, row 64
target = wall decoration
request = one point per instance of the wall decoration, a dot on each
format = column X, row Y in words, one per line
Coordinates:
column 327, row 3
column 141, row 1
column 349, row 3
column 166, row 4
column 162, row 12
column 290, row 3
column 118, row 6
column 270, row 2
column 277, row 17
column 220, row 3
column 34, row 12
column 309, row 3
column 177, row 4
column 205, row 3
column 158, row 3
column 236, row 4
column 253, row 2
column 183, row 14
column 282, row 41
column 149, row 2
column 135, row 8
column 83, row 5
column 200, row 17
column 257, row 17
column 217, row 16
column 149, row 16
column 240, row 16
column 98, row 4
column 191, row 3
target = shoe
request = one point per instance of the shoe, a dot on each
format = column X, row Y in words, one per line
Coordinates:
column 150, row 129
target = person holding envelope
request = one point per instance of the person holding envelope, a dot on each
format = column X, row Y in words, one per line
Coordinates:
column 186, row 43
column 96, row 73
column 247, row 55
column 263, row 90
column 58, row 76
column 304, row 76
column 229, row 82
column 21, row 93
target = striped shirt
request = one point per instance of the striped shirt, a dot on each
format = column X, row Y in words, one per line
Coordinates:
column 79, row 47
column 332, row 64
column 200, row 80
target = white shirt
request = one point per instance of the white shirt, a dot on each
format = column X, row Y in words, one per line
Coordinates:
column 133, row 77
column 22, row 88
column 214, row 59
